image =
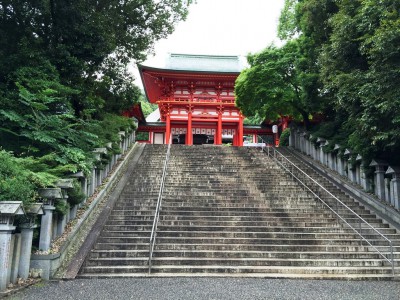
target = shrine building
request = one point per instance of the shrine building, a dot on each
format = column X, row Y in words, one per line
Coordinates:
column 196, row 102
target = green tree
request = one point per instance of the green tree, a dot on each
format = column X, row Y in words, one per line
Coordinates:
column 272, row 86
column 360, row 65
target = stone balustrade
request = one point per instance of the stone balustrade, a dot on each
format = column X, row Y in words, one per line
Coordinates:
column 16, row 260
column 376, row 177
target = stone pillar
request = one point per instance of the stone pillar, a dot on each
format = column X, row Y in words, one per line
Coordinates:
column 98, row 176
column 365, row 181
column 46, row 226
column 62, row 221
column 292, row 138
column 10, row 258
column 346, row 164
column 5, row 245
column 395, row 185
column 387, row 190
column 340, row 166
column 26, row 248
column 15, row 258
column 92, row 184
column 358, row 169
column 351, row 171
column 379, row 179
column 9, row 209
column 330, row 160
column 321, row 151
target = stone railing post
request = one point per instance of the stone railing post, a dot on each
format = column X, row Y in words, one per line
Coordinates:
column 292, row 138
column 48, row 195
column 387, row 191
column 322, row 143
column 348, row 166
column 379, row 178
column 64, row 185
column 358, row 168
column 122, row 142
column 27, row 237
column 395, row 185
column 8, row 209
column 302, row 143
column 338, row 160
column 100, row 173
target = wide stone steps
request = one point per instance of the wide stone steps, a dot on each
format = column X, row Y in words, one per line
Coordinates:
column 266, row 271
column 236, row 253
column 237, row 261
column 230, row 211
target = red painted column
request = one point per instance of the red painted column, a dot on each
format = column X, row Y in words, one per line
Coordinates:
column 219, row 129
column 189, row 136
column 168, row 130
column 255, row 138
column 240, row 131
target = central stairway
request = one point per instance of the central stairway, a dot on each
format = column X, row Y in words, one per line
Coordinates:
column 229, row 211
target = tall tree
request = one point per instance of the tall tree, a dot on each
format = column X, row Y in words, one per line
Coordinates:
column 361, row 65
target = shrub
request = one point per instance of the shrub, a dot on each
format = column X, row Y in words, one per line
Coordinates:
column 284, row 139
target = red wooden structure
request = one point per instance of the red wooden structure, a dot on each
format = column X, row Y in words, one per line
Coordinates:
column 195, row 95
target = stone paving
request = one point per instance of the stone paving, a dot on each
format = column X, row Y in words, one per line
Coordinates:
column 209, row 288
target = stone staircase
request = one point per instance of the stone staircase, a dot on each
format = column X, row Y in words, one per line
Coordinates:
column 230, row 211
column 123, row 245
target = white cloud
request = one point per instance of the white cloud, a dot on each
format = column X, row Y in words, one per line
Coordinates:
column 222, row 27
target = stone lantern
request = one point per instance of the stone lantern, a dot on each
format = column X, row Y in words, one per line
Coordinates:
column 8, row 211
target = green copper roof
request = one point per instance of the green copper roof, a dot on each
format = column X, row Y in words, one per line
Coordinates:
column 210, row 63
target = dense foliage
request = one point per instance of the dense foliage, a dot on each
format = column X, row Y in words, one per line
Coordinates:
column 340, row 60
column 64, row 78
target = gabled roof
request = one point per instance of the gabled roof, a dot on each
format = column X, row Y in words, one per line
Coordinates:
column 137, row 112
column 204, row 63
column 154, row 116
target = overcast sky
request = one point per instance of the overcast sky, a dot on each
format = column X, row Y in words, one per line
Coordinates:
column 221, row 27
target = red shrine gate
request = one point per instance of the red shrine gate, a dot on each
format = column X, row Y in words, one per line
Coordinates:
column 196, row 100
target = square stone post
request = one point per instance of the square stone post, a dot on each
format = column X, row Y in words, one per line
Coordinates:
column 330, row 160
column 338, row 164
column 64, row 185
column 379, row 177
column 9, row 209
column 387, row 190
column 16, row 252
column 358, row 168
column 395, row 185
column 303, row 143
column 46, row 226
column 320, row 153
column 26, row 239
